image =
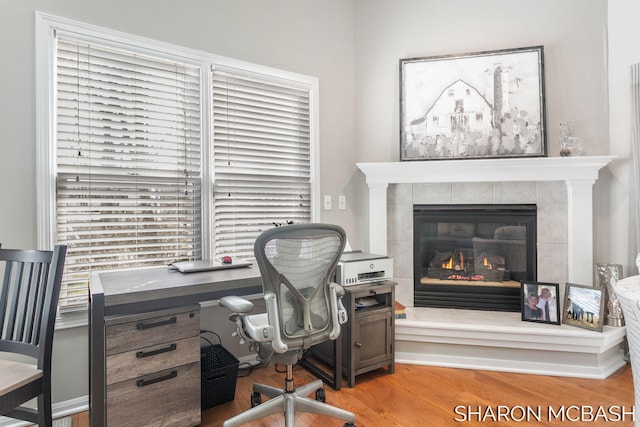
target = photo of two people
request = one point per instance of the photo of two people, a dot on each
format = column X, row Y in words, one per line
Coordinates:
column 540, row 302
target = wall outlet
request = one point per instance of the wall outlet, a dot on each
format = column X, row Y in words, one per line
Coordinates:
column 342, row 203
column 327, row 202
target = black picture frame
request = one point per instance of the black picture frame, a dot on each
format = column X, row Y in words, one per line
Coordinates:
column 584, row 307
column 533, row 294
column 487, row 104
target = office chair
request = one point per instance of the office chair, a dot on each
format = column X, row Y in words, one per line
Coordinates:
column 29, row 294
column 303, row 308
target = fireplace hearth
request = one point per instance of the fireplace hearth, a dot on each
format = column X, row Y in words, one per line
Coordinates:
column 473, row 256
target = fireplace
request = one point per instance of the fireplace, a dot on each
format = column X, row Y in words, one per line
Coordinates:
column 473, row 256
column 561, row 189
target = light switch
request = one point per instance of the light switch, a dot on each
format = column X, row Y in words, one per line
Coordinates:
column 327, row 202
column 342, row 203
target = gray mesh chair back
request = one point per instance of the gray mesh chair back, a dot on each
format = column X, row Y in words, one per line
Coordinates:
column 29, row 293
column 296, row 263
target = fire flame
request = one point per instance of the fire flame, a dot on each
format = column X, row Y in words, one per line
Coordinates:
column 454, row 262
column 487, row 264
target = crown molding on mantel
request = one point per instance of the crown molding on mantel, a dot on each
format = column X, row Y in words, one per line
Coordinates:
column 486, row 170
column 579, row 173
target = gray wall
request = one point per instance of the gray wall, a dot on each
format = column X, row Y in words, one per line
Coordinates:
column 353, row 47
column 623, row 51
column 573, row 33
column 302, row 36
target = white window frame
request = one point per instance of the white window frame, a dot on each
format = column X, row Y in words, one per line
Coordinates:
column 47, row 26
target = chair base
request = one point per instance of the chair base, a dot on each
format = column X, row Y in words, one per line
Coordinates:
column 288, row 402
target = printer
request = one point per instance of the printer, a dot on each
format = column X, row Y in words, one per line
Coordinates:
column 357, row 267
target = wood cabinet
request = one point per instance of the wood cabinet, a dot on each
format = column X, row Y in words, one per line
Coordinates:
column 153, row 368
column 153, row 295
column 368, row 338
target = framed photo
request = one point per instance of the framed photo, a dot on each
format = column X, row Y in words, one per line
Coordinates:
column 540, row 302
column 584, row 307
column 475, row 105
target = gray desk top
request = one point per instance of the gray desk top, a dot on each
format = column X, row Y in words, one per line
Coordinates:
column 145, row 285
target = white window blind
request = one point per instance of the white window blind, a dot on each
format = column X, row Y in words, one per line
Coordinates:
column 128, row 162
column 262, row 172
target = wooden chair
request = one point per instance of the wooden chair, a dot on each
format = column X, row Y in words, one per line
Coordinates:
column 29, row 294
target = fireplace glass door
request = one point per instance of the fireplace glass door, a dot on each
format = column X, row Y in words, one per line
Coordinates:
column 473, row 256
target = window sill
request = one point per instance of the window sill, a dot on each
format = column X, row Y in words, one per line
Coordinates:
column 73, row 318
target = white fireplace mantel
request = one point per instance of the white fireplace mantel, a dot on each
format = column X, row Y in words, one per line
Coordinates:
column 579, row 173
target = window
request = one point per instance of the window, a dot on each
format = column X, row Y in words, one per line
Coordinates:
column 127, row 159
column 261, row 157
column 149, row 153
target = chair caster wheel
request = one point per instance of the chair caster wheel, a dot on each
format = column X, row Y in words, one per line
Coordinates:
column 256, row 399
column 349, row 425
column 320, row 395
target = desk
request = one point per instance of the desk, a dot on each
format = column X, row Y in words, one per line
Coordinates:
column 135, row 292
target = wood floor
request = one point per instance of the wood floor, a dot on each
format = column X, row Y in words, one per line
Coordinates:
column 428, row 396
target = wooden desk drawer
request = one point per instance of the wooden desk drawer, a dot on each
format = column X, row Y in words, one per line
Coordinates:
column 134, row 332
column 147, row 360
column 378, row 291
column 164, row 399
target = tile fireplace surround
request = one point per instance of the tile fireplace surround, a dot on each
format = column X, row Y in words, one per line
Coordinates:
column 562, row 188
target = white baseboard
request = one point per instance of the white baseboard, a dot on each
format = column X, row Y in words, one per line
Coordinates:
column 81, row 404
column 249, row 359
column 61, row 409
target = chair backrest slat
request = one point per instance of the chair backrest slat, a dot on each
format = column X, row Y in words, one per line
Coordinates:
column 38, row 305
column 14, row 290
column 4, row 297
column 30, row 298
column 23, row 290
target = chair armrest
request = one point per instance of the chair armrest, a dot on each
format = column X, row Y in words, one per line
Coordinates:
column 258, row 328
column 236, row 304
column 337, row 309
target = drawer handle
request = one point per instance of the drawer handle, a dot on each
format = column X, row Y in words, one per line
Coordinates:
column 170, row 375
column 358, row 345
column 141, row 354
column 142, row 326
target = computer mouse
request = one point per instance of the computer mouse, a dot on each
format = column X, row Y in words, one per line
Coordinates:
column 226, row 259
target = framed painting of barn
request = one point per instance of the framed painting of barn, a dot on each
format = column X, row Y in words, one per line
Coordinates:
column 474, row 105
